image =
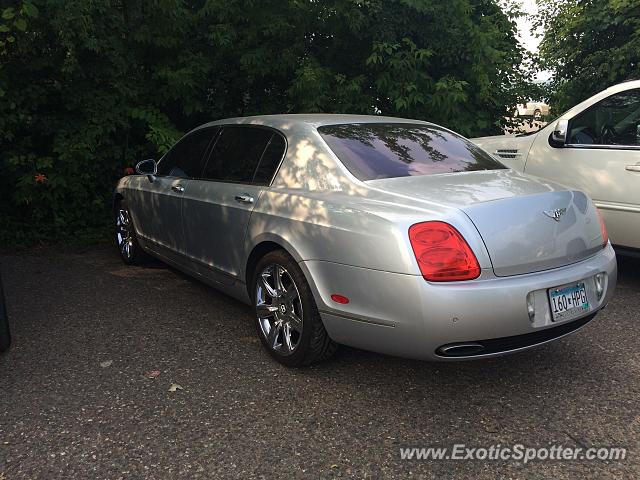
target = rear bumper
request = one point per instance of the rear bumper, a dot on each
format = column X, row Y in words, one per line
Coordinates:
column 479, row 348
column 404, row 315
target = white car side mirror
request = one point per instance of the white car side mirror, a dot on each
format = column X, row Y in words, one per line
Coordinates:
column 560, row 129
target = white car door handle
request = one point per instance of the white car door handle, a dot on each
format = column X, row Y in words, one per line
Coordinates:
column 244, row 198
column 177, row 188
column 633, row 168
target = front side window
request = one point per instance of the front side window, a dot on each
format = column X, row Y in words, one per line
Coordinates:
column 237, row 153
column 612, row 121
column 186, row 158
column 388, row 150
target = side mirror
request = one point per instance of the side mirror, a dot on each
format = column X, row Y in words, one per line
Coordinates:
column 147, row 167
column 559, row 134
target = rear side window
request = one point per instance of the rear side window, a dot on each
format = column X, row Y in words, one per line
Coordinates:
column 389, row 150
column 186, row 158
column 236, row 154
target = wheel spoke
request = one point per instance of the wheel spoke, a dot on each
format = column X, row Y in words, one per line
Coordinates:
column 123, row 219
column 290, row 295
column 277, row 279
column 295, row 322
column 286, row 340
column 273, row 334
column 263, row 310
column 265, row 284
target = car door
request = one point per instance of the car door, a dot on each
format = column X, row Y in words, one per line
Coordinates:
column 157, row 199
column 217, row 209
column 602, row 158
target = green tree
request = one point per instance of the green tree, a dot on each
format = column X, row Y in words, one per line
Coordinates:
column 589, row 45
column 89, row 88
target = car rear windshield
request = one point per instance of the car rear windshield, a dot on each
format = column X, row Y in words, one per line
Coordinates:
column 387, row 150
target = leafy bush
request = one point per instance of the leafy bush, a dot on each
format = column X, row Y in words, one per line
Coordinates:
column 589, row 46
column 89, row 88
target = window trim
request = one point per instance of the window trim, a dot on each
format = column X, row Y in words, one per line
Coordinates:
column 595, row 146
column 251, row 183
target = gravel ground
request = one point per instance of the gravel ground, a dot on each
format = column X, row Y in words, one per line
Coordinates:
column 75, row 401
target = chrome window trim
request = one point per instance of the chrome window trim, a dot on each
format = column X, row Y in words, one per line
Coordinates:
column 596, row 146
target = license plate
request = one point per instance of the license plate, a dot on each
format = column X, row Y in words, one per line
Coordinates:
column 568, row 302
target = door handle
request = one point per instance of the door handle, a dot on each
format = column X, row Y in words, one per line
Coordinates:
column 177, row 188
column 633, row 168
column 244, row 198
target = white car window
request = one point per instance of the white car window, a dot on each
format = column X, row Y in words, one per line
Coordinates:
column 612, row 121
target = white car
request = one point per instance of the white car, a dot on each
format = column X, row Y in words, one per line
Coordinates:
column 531, row 109
column 593, row 147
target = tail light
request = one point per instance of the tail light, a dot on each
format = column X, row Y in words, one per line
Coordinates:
column 603, row 229
column 443, row 254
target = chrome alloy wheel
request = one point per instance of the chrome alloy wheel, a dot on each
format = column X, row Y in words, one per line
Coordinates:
column 124, row 235
column 279, row 309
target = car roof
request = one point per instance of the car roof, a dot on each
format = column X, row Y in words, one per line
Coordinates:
column 312, row 119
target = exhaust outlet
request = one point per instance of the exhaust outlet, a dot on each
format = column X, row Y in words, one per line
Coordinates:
column 460, row 349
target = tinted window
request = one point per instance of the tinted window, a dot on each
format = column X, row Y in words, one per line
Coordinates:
column 613, row 121
column 185, row 159
column 384, row 150
column 270, row 160
column 236, row 154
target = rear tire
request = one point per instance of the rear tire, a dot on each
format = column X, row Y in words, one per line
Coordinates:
column 286, row 315
column 130, row 250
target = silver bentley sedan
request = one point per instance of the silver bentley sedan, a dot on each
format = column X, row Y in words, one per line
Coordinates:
column 386, row 234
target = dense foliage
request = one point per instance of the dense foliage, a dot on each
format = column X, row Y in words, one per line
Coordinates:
column 589, row 45
column 88, row 88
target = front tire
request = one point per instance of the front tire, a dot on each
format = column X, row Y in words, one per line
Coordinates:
column 287, row 318
column 126, row 240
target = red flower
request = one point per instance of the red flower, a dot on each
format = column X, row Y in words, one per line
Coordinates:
column 40, row 177
column 129, row 171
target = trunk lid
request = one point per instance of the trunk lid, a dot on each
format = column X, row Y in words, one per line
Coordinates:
column 515, row 216
column 522, row 234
